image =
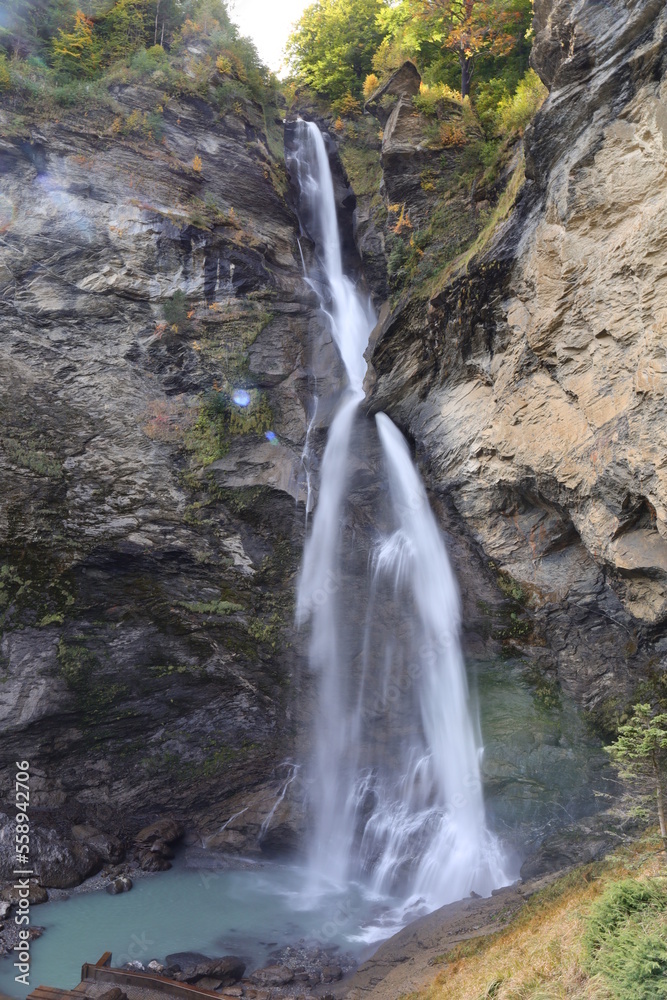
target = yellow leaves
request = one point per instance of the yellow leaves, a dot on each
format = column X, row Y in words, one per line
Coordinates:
column 371, row 84
column 348, row 106
column 223, row 65
column 413, row 246
column 75, row 51
column 403, row 222
column 339, row 124
column 5, row 79
column 197, row 164
column 453, row 134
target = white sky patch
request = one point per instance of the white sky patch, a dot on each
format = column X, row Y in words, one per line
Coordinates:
column 268, row 23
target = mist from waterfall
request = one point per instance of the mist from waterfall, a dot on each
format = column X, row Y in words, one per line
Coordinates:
column 395, row 792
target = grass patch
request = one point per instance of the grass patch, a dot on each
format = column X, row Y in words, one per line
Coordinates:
column 598, row 933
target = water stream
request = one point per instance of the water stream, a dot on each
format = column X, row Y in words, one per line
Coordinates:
column 396, row 798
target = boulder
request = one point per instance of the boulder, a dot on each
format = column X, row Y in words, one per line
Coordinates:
column 164, row 851
column 166, row 829
column 149, row 861
column 273, row 975
column 109, row 848
column 115, row 993
column 121, row 884
column 58, row 862
column 331, row 973
column 405, row 83
column 188, row 963
column 157, row 967
column 209, row 983
column 36, row 894
column 228, row 969
column 192, row 967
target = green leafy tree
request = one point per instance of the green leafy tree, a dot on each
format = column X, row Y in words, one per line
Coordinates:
column 128, row 26
column 471, row 28
column 640, row 752
column 333, row 44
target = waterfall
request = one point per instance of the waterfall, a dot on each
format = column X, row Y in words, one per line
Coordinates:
column 395, row 790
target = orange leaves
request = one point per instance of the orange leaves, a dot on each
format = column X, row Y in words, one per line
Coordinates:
column 474, row 26
column 453, row 134
column 402, row 223
column 197, row 164
column 168, row 420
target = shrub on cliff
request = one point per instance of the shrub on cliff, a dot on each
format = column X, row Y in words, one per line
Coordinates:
column 625, row 939
column 515, row 112
column 5, row 78
column 640, row 754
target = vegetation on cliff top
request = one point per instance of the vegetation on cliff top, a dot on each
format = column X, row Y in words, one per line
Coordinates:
column 342, row 49
column 71, row 50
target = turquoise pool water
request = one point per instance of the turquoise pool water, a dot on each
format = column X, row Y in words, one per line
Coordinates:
column 249, row 912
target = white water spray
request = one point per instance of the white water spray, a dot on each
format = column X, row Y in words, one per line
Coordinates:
column 396, row 790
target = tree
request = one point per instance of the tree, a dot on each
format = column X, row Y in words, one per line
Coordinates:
column 333, row 44
column 29, row 26
column 640, row 751
column 472, row 27
column 127, row 26
column 76, row 52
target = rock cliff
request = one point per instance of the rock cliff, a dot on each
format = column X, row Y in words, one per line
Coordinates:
column 150, row 270
column 532, row 380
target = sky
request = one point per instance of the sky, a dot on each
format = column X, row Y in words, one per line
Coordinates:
column 268, row 23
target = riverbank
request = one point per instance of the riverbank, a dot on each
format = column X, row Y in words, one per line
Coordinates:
column 593, row 931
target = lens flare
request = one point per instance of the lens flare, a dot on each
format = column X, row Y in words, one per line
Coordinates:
column 241, row 397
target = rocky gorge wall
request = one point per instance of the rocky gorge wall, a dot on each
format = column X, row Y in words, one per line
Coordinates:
column 532, row 380
column 150, row 265
column 150, row 532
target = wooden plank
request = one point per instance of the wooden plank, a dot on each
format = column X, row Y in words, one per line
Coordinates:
column 146, row 980
column 104, row 960
column 48, row 993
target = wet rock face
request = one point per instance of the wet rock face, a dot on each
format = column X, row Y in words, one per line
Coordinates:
column 535, row 385
column 142, row 661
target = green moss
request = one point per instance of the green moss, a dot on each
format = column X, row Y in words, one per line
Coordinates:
column 23, row 453
column 211, row 607
column 94, row 696
column 169, row 670
column 219, row 420
column 209, row 761
column 33, row 592
column 266, row 631
column 511, row 588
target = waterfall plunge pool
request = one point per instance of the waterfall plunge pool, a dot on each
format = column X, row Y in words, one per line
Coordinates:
column 250, row 911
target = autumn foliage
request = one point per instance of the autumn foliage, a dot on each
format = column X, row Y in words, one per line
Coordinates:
column 471, row 27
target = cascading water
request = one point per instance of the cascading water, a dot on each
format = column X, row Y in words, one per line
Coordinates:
column 395, row 790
